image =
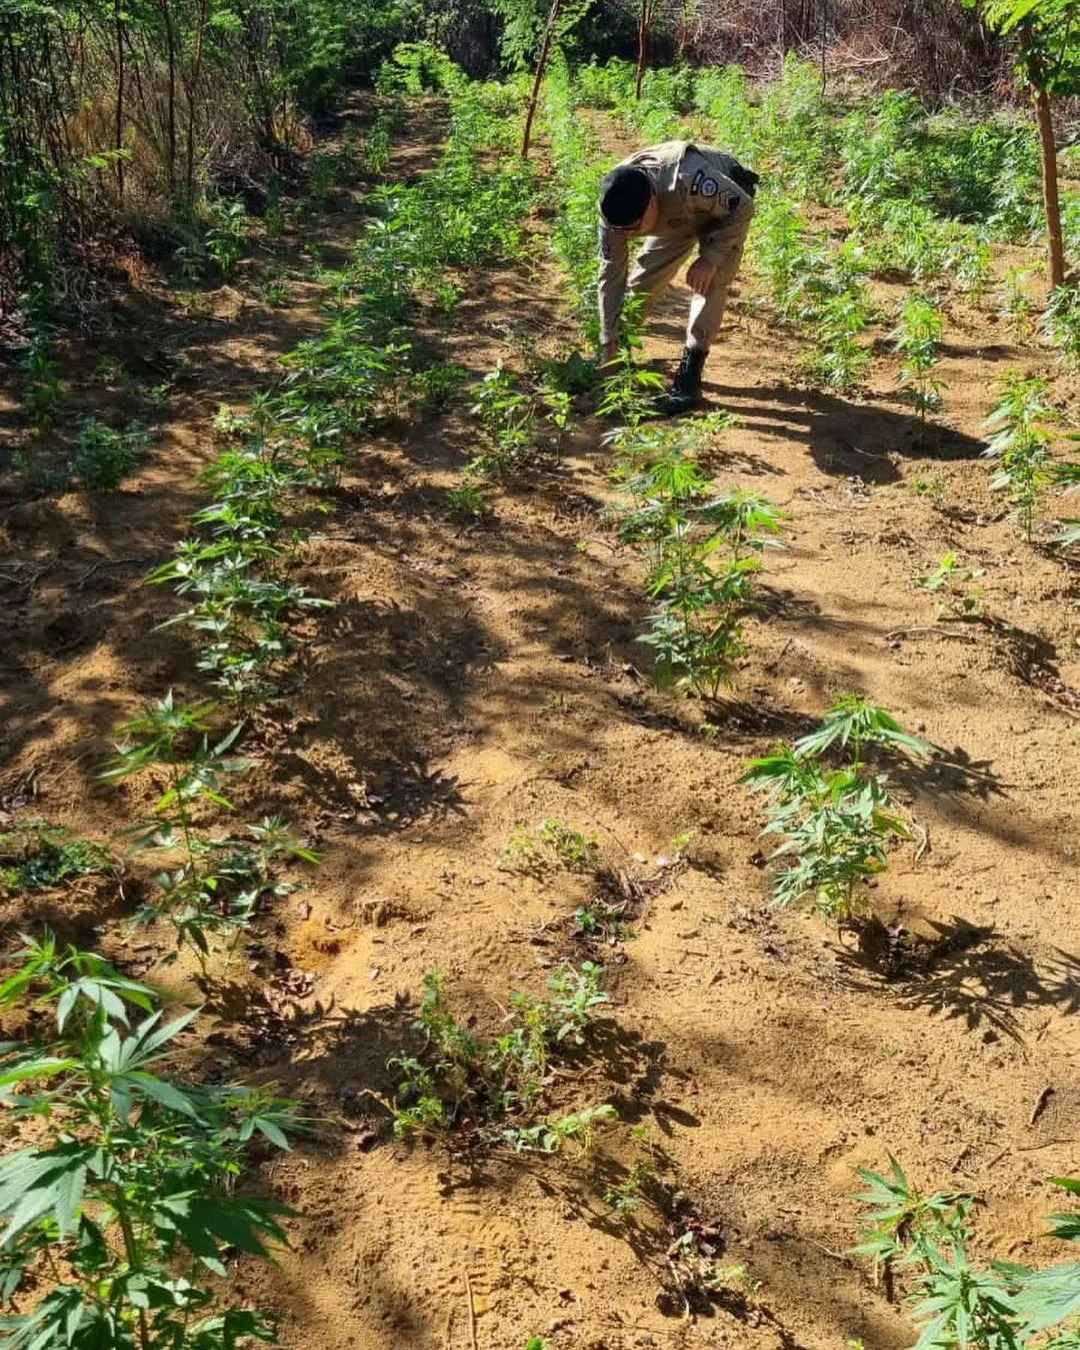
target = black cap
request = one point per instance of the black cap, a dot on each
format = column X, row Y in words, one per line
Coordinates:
column 624, row 196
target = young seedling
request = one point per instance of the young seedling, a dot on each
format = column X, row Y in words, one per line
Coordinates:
column 932, row 487
column 942, row 577
column 917, row 339
column 227, row 235
column 103, row 456
column 834, row 824
column 954, row 581
column 629, row 391
column 576, row 851
column 1016, row 305
column 457, row 1074
column 274, row 293
column 706, row 556
column 835, row 827
column 1060, row 324
column 552, row 1135
column 839, row 316
column 36, row 856
column 42, row 394
column 209, row 886
column 625, row 1197
column 509, row 416
column 524, row 850
column 1020, row 444
column 467, row 503
column 439, row 385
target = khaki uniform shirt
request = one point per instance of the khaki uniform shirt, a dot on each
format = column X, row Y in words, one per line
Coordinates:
column 696, row 199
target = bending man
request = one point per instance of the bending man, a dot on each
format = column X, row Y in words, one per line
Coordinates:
column 680, row 196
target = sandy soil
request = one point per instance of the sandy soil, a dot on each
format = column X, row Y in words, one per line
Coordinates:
column 468, row 680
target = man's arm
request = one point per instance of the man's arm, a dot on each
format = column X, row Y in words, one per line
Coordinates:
column 611, row 286
column 726, row 234
column 722, row 206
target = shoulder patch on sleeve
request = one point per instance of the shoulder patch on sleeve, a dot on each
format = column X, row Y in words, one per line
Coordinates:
column 732, row 200
column 703, row 186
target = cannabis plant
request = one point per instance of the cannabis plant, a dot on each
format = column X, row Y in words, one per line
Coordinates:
column 208, row 886
column 509, row 417
column 702, row 550
column 834, row 824
column 125, row 1201
column 628, row 391
column 838, row 356
column 916, row 339
column 1060, row 324
column 834, row 827
column 956, row 1300
column 1016, row 306
column 705, row 560
column 1020, row 444
column 855, row 719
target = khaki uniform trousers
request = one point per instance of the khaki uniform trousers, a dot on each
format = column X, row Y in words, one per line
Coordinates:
column 660, row 258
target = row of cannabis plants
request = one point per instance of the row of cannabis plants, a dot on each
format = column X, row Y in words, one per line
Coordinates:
column 123, row 1204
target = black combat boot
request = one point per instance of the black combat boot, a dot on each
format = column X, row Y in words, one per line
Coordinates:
column 685, row 390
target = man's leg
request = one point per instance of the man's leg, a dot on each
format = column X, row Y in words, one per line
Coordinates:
column 706, row 315
column 656, row 265
column 707, row 311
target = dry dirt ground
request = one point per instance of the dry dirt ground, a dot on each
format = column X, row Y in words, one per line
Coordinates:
column 472, row 679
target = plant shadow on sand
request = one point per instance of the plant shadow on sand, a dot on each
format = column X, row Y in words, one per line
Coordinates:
column 961, row 971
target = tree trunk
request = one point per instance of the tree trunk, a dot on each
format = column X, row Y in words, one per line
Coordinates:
column 171, row 108
column 193, row 94
column 1045, row 119
column 119, row 138
column 541, row 65
column 643, row 33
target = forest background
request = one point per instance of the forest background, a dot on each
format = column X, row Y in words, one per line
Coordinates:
column 139, row 121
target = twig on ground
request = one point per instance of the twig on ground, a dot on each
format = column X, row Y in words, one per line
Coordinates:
column 836, row 1256
column 898, row 633
column 1040, row 1104
column 773, row 665
column 102, row 562
column 472, row 1310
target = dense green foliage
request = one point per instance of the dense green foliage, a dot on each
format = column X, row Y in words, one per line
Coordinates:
column 160, row 112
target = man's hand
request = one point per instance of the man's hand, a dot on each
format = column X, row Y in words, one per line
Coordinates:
column 609, row 355
column 699, row 276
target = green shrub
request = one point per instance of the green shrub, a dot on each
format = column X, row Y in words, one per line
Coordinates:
column 103, row 456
